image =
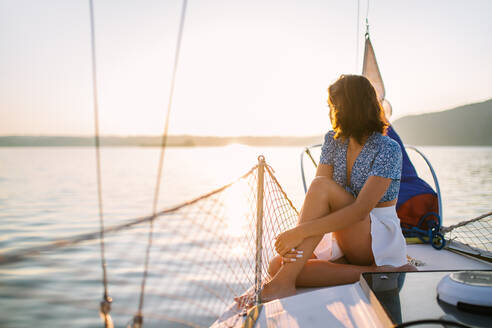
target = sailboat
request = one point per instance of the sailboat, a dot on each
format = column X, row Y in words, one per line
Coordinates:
column 394, row 299
column 204, row 258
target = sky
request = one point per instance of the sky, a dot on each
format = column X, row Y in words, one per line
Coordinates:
column 246, row 67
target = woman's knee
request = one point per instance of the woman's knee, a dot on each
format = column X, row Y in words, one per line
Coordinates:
column 318, row 199
column 321, row 186
column 328, row 190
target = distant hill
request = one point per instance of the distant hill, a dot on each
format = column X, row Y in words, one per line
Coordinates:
column 142, row 141
column 469, row 125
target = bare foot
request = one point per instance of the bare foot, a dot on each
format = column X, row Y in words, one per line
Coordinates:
column 408, row 268
column 246, row 300
column 404, row 268
column 270, row 291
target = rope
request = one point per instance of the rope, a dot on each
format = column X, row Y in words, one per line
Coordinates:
column 473, row 236
column 20, row 255
column 105, row 306
column 194, row 272
column 452, row 227
column 272, row 176
column 357, row 38
column 161, row 159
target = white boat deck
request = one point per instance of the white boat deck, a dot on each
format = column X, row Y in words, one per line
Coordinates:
column 444, row 260
column 346, row 305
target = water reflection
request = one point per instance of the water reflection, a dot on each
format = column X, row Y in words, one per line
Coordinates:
column 237, row 210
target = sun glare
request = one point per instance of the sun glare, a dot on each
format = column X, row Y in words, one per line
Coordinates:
column 237, row 210
column 238, row 217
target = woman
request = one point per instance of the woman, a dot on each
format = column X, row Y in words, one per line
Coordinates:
column 352, row 199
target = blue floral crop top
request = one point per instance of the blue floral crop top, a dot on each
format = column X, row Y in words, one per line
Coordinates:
column 380, row 156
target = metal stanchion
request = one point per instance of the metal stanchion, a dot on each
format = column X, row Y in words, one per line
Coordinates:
column 259, row 228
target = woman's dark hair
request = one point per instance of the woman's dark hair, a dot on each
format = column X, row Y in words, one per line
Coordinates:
column 354, row 108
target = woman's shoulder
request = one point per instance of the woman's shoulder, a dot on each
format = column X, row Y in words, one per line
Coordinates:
column 328, row 149
column 387, row 144
column 330, row 138
column 330, row 135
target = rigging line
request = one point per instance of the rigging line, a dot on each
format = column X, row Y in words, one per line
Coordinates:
column 462, row 223
column 98, row 154
column 161, row 158
column 272, row 176
column 20, row 255
column 357, row 37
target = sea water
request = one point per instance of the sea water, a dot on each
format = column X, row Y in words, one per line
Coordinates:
column 51, row 193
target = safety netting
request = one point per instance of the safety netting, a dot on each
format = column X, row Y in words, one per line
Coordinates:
column 472, row 236
column 204, row 253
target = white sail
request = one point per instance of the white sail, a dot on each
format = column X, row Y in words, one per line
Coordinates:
column 370, row 69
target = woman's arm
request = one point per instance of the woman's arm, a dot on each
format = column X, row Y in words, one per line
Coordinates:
column 324, row 170
column 368, row 198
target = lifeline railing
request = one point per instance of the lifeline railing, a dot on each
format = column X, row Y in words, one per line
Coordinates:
column 434, row 177
column 307, row 151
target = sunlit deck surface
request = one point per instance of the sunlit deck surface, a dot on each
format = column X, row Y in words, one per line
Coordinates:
column 346, row 305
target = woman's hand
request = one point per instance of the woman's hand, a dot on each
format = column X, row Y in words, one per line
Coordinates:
column 288, row 240
column 292, row 256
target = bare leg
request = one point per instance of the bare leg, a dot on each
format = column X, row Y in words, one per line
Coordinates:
column 319, row 273
column 323, row 197
column 322, row 273
column 276, row 263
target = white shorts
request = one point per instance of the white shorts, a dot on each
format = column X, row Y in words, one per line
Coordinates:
column 388, row 243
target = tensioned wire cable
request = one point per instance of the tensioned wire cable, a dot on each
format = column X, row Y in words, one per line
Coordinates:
column 357, row 38
column 357, row 30
column 161, row 160
column 106, row 298
column 23, row 254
